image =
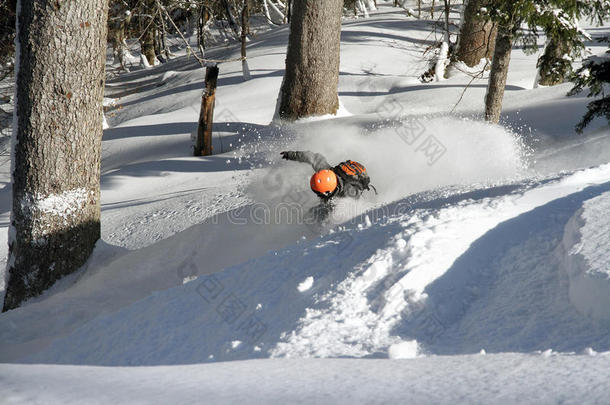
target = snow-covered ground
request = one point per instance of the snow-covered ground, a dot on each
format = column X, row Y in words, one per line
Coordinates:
column 482, row 239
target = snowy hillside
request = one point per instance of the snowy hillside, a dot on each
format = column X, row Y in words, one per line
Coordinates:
column 480, row 272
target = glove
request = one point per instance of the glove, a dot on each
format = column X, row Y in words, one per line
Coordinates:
column 285, row 155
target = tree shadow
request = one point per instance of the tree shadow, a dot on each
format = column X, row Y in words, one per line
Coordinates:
column 135, row 131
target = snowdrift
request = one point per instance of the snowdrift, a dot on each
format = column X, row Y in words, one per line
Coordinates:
column 586, row 259
column 477, row 274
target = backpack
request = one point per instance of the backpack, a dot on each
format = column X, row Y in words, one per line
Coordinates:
column 354, row 173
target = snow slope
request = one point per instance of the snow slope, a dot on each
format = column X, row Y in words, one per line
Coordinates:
column 481, row 238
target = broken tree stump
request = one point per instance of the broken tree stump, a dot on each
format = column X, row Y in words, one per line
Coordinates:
column 203, row 144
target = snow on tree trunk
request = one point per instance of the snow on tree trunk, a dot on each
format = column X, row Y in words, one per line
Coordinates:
column 266, row 11
column 276, row 10
column 441, row 63
column 361, row 8
column 311, row 78
column 370, row 4
column 477, row 35
column 443, row 56
column 55, row 219
column 498, row 75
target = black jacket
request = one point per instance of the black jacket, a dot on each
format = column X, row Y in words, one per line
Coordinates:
column 346, row 187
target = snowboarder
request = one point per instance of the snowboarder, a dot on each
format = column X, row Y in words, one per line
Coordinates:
column 347, row 179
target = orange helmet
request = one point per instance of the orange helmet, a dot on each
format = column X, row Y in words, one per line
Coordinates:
column 324, row 182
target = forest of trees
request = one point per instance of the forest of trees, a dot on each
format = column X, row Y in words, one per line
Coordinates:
column 60, row 88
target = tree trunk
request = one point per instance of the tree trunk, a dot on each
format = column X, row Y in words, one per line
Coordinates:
column 288, row 9
column 147, row 42
column 477, row 36
column 312, row 60
column 204, row 17
column 245, row 14
column 498, row 74
column 56, row 168
column 163, row 38
column 552, row 67
column 203, row 143
column 231, row 19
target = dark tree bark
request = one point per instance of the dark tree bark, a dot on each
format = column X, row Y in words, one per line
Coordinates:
column 203, row 143
column 245, row 28
column 498, row 74
column 232, row 22
column 56, row 169
column 477, row 35
column 312, row 60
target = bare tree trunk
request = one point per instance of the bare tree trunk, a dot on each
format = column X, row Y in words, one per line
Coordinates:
column 203, row 143
column 432, row 10
column 288, row 9
column 477, row 36
column 244, row 31
column 232, row 22
column 163, row 38
column 147, row 42
column 419, row 8
column 56, row 169
column 498, row 74
column 276, row 10
column 118, row 19
column 447, row 15
column 552, row 66
column 204, row 16
column 312, row 60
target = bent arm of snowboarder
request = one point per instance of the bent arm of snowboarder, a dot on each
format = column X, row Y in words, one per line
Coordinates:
column 316, row 160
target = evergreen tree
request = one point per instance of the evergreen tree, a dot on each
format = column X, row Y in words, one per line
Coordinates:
column 556, row 17
column 594, row 75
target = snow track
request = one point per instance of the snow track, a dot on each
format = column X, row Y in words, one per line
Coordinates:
column 482, row 239
column 479, row 274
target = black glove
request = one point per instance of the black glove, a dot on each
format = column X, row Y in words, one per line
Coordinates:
column 286, row 155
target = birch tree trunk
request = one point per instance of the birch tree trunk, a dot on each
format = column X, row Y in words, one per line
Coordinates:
column 56, row 168
column 477, row 36
column 312, row 60
column 498, row 74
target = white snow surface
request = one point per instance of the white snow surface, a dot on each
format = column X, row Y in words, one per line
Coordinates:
column 586, row 258
column 501, row 378
column 482, row 239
